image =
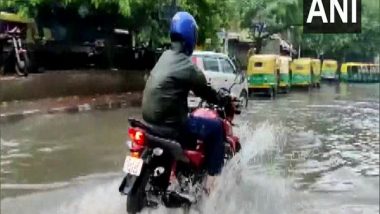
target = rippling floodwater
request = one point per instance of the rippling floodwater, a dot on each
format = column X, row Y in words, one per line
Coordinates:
column 304, row 152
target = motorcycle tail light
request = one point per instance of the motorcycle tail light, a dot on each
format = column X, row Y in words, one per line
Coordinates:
column 137, row 136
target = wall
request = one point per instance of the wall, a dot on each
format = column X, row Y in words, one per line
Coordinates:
column 67, row 83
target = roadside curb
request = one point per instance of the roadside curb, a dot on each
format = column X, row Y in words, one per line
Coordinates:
column 83, row 107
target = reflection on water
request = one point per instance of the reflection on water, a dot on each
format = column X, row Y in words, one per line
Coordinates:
column 332, row 147
column 314, row 152
column 58, row 148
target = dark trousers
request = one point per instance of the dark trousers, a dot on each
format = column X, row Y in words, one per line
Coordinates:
column 210, row 131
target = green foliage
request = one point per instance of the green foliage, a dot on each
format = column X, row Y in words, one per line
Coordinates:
column 143, row 16
column 26, row 6
column 145, row 19
column 211, row 17
column 283, row 15
column 278, row 16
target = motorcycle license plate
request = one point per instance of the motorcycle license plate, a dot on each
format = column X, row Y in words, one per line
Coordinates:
column 133, row 165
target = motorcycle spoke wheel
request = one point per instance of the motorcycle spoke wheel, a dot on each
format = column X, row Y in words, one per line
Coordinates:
column 22, row 67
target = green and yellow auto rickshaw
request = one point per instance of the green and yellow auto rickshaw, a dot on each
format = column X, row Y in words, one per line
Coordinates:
column 316, row 72
column 329, row 70
column 263, row 74
column 301, row 72
column 374, row 72
column 284, row 84
column 359, row 72
column 344, row 70
column 27, row 25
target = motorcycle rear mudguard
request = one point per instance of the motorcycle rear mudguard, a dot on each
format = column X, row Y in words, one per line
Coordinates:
column 127, row 184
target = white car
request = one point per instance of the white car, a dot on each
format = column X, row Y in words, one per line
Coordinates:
column 220, row 72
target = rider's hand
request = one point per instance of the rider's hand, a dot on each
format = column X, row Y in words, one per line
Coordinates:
column 234, row 99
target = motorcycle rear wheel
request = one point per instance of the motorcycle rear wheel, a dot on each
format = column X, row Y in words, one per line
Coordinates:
column 136, row 199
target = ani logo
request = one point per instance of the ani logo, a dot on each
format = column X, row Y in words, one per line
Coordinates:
column 332, row 16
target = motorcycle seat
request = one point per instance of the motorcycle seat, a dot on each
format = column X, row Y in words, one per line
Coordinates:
column 159, row 131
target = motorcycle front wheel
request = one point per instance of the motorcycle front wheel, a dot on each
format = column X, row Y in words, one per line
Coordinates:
column 22, row 66
column 136, row 199
column 2, row 69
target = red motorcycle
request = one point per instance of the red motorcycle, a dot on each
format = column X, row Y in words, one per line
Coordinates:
column 159, row 170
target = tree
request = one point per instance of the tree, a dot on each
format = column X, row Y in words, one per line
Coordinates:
column 263, row 17
column 267, row 17
column 142, row 16
column 27, row 7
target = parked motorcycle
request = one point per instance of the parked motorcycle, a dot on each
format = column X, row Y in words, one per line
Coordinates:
column 158, row 170
column 18, row 55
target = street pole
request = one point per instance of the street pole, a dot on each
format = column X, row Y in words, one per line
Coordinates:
column 291, row 50
column 299, row 51
column 290, row 31
column 174, row 4
column 226, row 42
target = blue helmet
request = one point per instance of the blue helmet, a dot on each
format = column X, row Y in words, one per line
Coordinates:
column 183, row 28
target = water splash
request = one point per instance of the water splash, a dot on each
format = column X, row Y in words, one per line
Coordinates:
column 247, row 185
column 250, row 183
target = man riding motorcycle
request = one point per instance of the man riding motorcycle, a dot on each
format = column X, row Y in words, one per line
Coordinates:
column 165, row 95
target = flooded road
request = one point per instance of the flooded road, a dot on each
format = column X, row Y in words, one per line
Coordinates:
column 314, row 152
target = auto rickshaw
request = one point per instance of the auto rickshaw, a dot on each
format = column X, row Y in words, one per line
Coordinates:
column 316, row 72
column 359, row 72
column 369, row 73
column 17, row 36
column 343, row 75
column 329, row 70
column 301, row 72
column 374, row 72
column 349, row 72
column 28, row 24
column 263, row 74
column 284, row 85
